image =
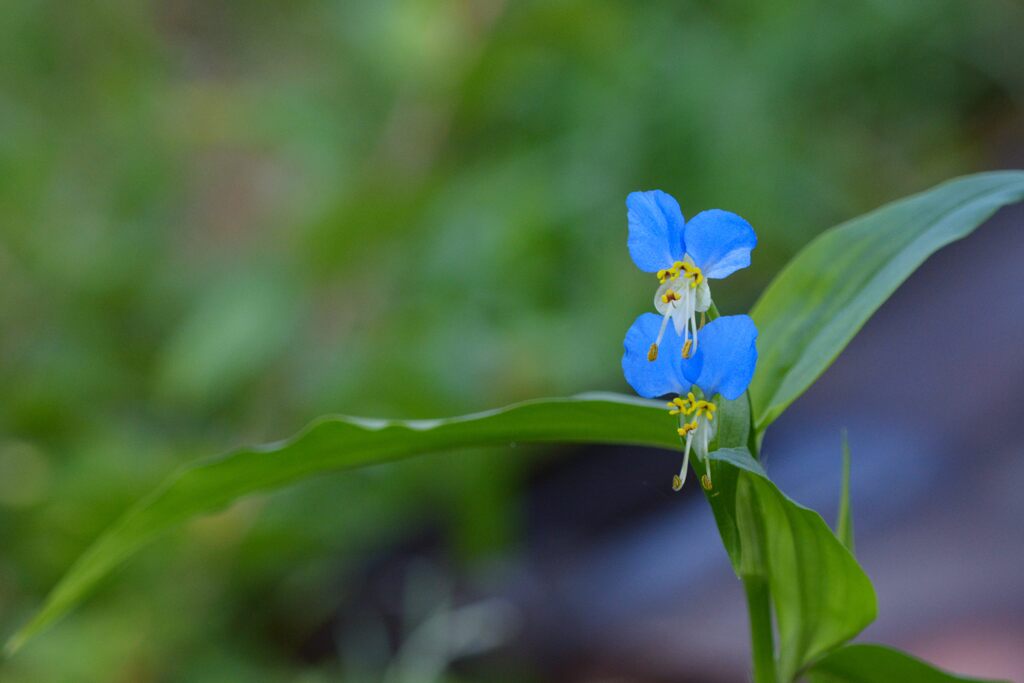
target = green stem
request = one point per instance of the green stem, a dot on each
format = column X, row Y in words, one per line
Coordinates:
column 761, row 639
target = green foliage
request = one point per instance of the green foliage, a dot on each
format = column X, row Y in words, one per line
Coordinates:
column 820, row 595
column 336, row 443
column 878, row 664
column 819, row 301
column 789, row 540
column 219, row 219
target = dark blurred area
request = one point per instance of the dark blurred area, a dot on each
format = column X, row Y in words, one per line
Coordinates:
column 219, row 220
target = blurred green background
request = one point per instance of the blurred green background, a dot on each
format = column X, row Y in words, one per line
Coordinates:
column 221, row 219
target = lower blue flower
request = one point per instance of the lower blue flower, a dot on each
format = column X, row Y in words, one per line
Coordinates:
column 655, row 364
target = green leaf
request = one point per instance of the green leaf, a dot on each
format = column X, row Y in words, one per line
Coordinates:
column 844, row 523
column 878, row 664
column 739, row 458
column 821, row 595
column 821, row 299
column 338, row 443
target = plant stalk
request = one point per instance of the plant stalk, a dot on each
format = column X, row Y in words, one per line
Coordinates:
column 761, row 639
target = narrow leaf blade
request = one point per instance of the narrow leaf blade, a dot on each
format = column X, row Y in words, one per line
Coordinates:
column 819, row 301
column 339, row 443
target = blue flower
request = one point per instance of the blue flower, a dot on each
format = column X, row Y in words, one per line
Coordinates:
column 722, row 366
column 684, row 255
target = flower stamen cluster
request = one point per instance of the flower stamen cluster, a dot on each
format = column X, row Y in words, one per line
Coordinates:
column 699, row 429
column 672, row 273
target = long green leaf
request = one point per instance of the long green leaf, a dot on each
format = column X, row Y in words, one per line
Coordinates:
column 821, row 299
column 878, row 664
column 338, row 443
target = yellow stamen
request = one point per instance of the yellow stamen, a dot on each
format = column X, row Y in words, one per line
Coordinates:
column 705, row 481
column 652, row 353
column 693, row 273
column 687, row 428
column 669, row 273
column 681, row 405
column 705, row 409
column 686, row 348
column 677, row 483
column 670, row 296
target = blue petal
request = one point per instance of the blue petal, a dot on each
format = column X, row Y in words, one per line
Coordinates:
column 656, row 378
column 719, row 242
column 655, row 230
column 725, row 358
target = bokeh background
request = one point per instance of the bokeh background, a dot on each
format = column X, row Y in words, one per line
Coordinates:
column 221, row 219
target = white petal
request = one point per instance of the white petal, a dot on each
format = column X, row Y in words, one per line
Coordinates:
column 679, row 318
column 660, row 305
column 703, row 296
column 705, row 433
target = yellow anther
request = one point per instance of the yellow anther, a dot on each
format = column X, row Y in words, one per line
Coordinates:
column 705, row 409
column 670, row 296
column 687, row 428
column 682, row 405
column 705, row 481
column 677, row 483
column 677, row 405
column 693, row 273
column 669, row 273
column 652, row 353
column 686, row 348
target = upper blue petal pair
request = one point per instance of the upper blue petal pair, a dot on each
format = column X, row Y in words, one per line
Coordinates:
column 718, row 242
column 722, row 364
